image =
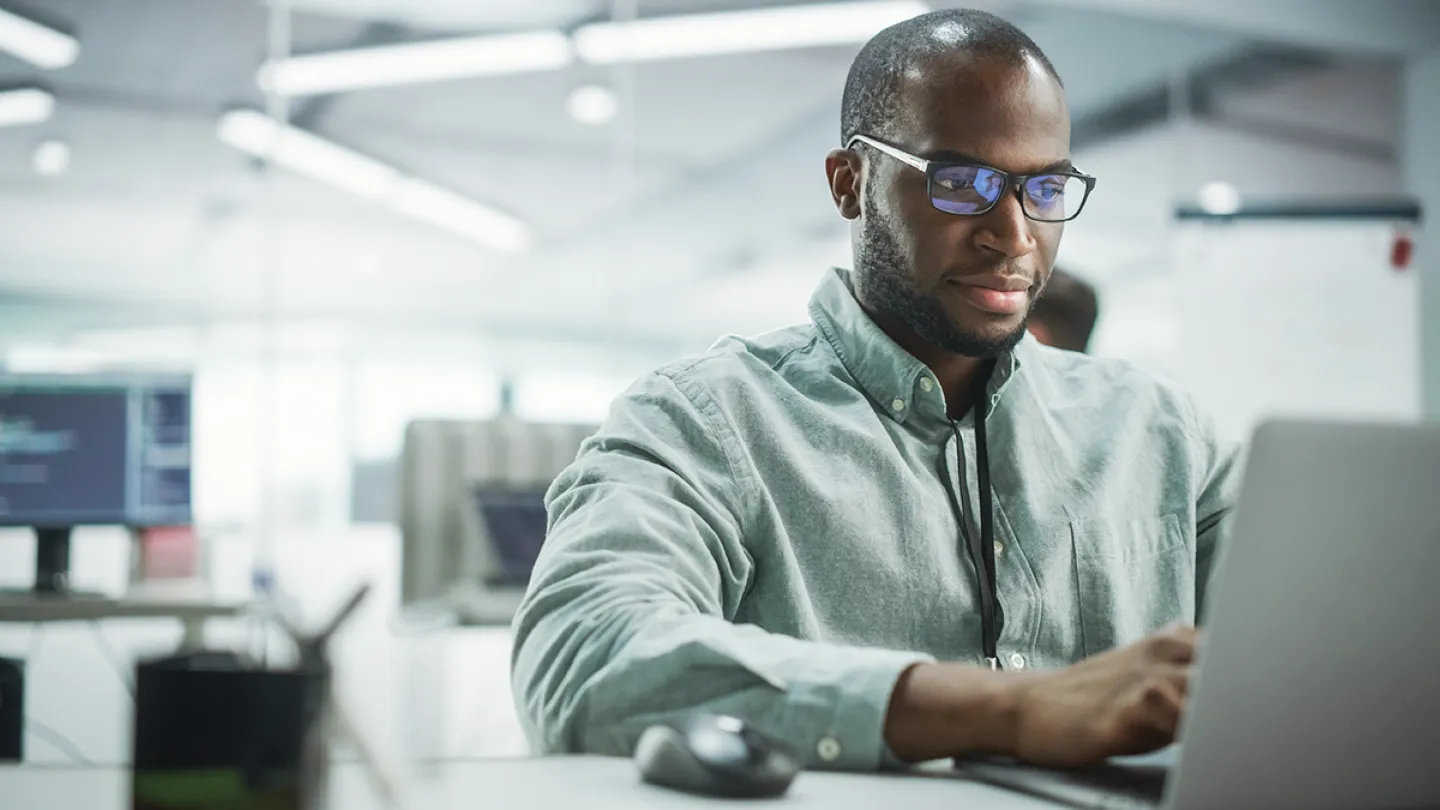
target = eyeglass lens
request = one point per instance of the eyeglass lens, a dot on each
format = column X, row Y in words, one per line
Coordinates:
column 975, row 190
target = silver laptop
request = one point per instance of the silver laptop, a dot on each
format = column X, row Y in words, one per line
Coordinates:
column 1319, row 682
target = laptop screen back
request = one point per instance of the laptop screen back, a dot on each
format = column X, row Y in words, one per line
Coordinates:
column 515, row 521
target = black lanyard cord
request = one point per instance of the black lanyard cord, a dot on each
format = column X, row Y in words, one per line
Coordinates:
column 990, row 607
column 982, row 554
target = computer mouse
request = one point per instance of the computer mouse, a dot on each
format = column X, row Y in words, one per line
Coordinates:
column 716, row 755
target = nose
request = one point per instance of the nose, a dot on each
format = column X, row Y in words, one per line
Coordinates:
column 1005, row 229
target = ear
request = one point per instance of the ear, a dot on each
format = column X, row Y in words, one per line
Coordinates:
column 842, row 167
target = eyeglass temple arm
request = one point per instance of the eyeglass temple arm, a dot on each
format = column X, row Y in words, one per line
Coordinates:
column 899, row 154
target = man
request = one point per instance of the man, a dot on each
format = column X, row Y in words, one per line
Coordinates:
column 1064, row 316
column 901, row 532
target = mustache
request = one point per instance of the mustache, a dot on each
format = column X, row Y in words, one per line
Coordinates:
column 1003, row 269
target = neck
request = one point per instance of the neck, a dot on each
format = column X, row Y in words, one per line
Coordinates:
column 957, row 374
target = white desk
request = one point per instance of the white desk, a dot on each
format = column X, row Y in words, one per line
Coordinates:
column 556, row 783
column 191, row 612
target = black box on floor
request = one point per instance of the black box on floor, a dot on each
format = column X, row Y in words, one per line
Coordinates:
column 211, row 733
column 12, row 710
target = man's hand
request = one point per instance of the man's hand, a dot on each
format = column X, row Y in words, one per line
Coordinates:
column 1125, row 701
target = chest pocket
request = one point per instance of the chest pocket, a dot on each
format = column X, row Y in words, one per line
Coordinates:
column 1135, row 576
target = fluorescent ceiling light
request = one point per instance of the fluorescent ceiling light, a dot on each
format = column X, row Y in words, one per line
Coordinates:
column 320, row 159
column 741, row 31
column 593, row 105
column 28, row 106
column 37, row 44
column 301, row 152
column 50, row 359
column 52, row 158
column 417, row 62
column 1220, row 198
column 436, row 206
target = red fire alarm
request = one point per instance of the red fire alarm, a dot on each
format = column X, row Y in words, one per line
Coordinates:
column 1402, row 250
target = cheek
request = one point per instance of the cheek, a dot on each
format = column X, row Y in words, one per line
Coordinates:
column 924, row 230
column 941, row 244
column 906, row 220
column 1047, row 241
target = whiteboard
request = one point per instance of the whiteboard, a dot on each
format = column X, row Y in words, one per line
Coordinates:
column 1296, row 318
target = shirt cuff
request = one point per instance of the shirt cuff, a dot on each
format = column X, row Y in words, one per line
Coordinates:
column 850, row 734
column 888, row 760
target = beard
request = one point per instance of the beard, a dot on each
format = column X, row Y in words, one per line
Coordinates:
column 883, row 280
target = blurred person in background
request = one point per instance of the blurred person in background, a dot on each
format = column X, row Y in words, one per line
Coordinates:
column 903, row 531
column 1064, row 315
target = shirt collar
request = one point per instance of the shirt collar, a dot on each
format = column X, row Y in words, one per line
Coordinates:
column 899, row 384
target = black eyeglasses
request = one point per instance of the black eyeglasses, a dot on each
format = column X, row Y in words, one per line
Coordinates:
column 970, row 189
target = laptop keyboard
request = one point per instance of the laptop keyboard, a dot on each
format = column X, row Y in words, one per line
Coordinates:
column 1114, row 787
column 1145, row 785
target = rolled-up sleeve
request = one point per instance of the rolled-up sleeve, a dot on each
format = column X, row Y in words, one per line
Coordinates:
column 628, row 619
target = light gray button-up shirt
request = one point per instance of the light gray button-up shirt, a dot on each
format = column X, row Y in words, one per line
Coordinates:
column 774, row 530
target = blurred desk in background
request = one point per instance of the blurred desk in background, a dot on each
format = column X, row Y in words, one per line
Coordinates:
column 192, row 612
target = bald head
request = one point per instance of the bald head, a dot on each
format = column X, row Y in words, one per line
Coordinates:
column 916, row 50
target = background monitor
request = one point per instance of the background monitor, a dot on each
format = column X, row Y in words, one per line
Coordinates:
column 515, row 521
column 472, row 511
column 92, row 450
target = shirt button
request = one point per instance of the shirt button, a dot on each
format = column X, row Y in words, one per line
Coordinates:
column 898, row 405
column 828, row 749
column 999, row 548
column 926, row 385
column 1017, row 661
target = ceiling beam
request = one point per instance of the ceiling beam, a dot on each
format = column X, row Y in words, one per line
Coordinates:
column 1251, row 67
column 1395, row 28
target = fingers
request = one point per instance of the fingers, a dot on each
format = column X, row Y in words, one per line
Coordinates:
column 1160, row 700
column 1148, row 716
column 1174, row 645
column 1170, row 688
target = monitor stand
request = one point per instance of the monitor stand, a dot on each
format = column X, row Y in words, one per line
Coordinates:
column 52, row 599
column 52, row 567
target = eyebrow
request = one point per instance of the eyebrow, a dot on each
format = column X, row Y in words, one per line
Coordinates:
column 952, row 156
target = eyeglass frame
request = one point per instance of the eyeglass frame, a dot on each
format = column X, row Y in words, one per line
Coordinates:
column 1013, row 182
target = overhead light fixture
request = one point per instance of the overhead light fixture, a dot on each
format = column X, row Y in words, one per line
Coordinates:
column 308, row 154
column 305, row 153
column 51, row 359
column 1219, row 198
column 52, row 158
column 26, row 106
column 764, row 29
column 442, row 208
column 593, row 105
column 416, row 62
column 40, row 45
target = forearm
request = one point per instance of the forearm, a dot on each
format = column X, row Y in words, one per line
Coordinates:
column 635, row 669
column 945, row 710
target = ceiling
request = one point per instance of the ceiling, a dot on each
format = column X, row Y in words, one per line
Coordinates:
column 701, row 210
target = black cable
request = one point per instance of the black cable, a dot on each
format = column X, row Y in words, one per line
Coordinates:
column 59, row 742
column 109, row 653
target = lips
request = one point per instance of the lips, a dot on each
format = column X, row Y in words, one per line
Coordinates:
column 998, row 295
